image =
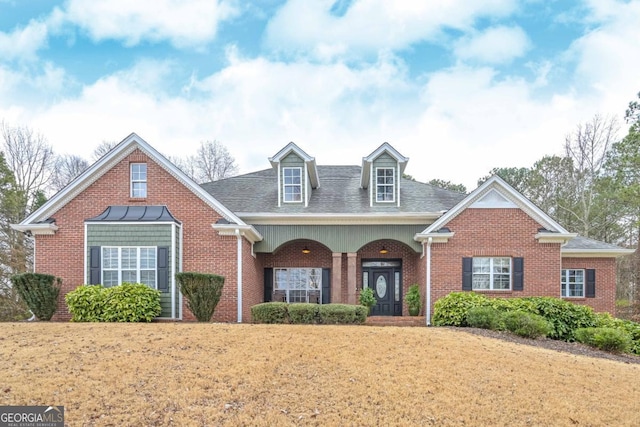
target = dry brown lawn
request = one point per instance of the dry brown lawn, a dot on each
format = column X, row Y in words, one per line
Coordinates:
column 263, row 375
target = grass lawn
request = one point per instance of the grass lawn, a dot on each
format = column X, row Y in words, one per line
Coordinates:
column 264, row 375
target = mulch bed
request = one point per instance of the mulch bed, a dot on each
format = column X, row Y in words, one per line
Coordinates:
column 562, row 346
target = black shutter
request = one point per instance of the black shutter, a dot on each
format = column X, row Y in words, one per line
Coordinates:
column 268, row 284
column 326, row 285
column 518, row 274
column 467, row 274
column 94, row 265
column 163, row 268
column 591, row 283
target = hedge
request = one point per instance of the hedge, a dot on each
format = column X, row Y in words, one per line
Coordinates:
column 128, row 302
column 306, row 313
column 202, row 292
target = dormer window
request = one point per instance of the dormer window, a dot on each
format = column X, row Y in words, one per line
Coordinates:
column 385, row 184
column 292, row 184
column 138, row 180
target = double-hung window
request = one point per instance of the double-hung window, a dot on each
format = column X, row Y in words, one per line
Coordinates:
column 129, row 264
column 491, row 273
column 385, row 185
column 572, row 283
column 298, row 284
column 292, row 184
column 138, row 180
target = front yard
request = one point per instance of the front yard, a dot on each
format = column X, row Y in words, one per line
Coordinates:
column 226, row 374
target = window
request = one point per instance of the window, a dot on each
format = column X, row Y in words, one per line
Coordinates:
column 292, row 184
column 129, row 264
column 491, row 274
column 298, row 284
column 385, row 184
column 572, row 283
column 139, row 180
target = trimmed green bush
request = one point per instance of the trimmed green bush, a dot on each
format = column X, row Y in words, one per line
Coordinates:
column 331, row 314
column 130, row 302
column 361, row 314
column 414, row 300
column 484, row 317
column 367, row 299
column 605, row 320
column 305, row 313
column 565, row 317
column 452, row 309
column 270, row 312
column 86, row 303
column 525, row 324
column 39, row 291
column 607, row 339
column 202, row 292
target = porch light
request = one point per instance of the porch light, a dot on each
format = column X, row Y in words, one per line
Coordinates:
column 383, row 250
column 306, row 250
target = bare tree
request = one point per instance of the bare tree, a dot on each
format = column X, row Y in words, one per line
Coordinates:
column 68, row 167
column 103, row 148
column 587, row 147
column 31, row 160
column 212, row 162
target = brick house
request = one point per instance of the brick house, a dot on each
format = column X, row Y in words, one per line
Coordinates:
column 302, row 232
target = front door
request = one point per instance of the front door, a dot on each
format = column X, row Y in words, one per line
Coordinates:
column 384, row 277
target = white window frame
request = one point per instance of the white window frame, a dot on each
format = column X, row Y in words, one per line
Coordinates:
column 300, row 281
column 491, row 274
column 136, row 178
column 286, row 184
column 386, row 185
column 565, row 276
column 138, row 268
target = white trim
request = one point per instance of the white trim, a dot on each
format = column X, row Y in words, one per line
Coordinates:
column 239, row 275
column 584, row 282
column 497, row 183
column 284, row 185
column 249, row 233
column 280, row 195
column 86, row 258
column 308, row 160
column 368, row 161
column 173, row 271
column 428, row 283
column 433, row 237
column 303, row 182
column 491, row 274
column 381, row 218
column 180, row 302
column 371, row 185
column 47, row 229
column 397, row 187
column 138, row 268
column 376, row 185
column 595, row 253
column 561, row 238
column 132, row 181
column 129, row 222
column 108, row 161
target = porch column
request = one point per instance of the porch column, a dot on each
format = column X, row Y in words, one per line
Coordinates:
column 336, row 278
column 351, row 277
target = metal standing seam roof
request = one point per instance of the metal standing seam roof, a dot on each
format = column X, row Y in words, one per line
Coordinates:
column 134, row 214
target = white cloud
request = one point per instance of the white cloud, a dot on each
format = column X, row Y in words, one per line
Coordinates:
column 372, row 25
column 495, row 45
column 185, row 24
column 23, row 43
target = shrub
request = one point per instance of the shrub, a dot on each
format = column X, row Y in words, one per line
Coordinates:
column 270, row 312
column 565, row 317
column 525, row 324
column 86, row 303
column 331, row 314
column 130, row 302
column 39, row 291
column 303, row 313
column 413, row 299
column 202, row 292
column 361, row 314
column 452, row 309
column 367, row 298
column 605, row 320
column 608, row 339
column 484, row 317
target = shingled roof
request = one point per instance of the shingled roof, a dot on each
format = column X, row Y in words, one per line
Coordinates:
column 339, row 193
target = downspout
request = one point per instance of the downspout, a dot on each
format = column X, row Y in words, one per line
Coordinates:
column 239, row 275
column 428, row 307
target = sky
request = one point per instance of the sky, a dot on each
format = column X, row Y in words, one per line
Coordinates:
column 460, row 86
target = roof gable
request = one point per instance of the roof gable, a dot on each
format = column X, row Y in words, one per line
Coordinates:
column 312, row 169
column 497, row 193
column 109, row 160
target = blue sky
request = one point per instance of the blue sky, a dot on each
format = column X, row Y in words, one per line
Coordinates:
column 460, row 87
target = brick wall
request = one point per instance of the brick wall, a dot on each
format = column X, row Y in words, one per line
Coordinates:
column 495, row 233
column 203, row 249
column 605, row 299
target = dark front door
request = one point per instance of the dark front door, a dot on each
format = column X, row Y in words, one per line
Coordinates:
column 383, row 291
column 385, row 278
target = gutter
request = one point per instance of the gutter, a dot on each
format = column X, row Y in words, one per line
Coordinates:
column 428, row 284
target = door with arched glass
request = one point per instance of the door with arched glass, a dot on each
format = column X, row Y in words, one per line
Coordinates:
column 384, row 277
